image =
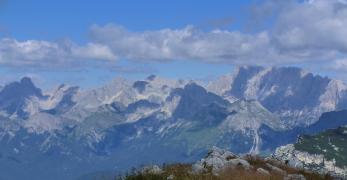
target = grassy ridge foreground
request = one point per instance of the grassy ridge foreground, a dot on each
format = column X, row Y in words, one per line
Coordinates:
column 184, row 172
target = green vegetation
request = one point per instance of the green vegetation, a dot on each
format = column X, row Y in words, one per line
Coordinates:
column 198, row 139
column 331, row 143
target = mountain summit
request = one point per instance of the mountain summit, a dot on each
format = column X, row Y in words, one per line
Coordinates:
column 297, row 96
column 13, row 96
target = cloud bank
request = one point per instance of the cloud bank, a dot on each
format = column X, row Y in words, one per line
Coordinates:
column 187, row 43
column 302, row 32
column 34, row 53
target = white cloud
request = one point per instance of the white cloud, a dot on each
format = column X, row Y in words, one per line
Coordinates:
column 302, row 32
column 306, row 32
column 186, row 43
column 93, row 51
column 34, row 53
column 318, row 25
column 338, row 65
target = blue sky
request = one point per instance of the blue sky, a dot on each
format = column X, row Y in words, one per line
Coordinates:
column 57, row 20
column 87, row 43
column 50, row 20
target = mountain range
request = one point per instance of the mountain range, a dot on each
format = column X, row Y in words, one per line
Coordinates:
column 69, row 131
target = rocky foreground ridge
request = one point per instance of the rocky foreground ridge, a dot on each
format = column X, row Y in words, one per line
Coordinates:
column 222, row 164
column 323, row 152
column 317, row 163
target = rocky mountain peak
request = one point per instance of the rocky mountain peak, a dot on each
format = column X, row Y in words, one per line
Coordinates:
column 151, row 77
column 13, row 96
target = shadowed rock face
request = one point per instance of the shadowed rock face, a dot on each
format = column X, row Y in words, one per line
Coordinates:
column 292, row 89
column 141, row 104
column 66, row 102
column 329, row 120
column 297, row 96
column 14, row 95
column 239, row 85
column 140, row 86
column 151, row 77
column 195, row 100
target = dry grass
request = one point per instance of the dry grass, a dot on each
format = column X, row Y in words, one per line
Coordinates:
column 242, row 174
column 180, row 171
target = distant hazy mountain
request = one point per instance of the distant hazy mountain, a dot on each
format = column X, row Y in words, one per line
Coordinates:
column 328, row 120
column 297, row 96
column 69, row 131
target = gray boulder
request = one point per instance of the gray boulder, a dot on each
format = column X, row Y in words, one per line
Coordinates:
column 263, row 171
column 275, row 169
column 218, row 159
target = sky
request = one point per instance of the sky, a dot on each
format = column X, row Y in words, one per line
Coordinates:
column 88, row 43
